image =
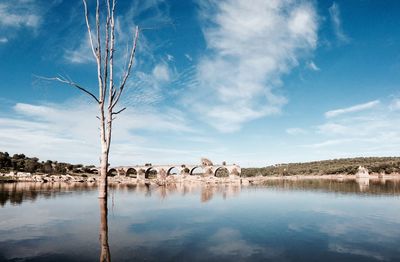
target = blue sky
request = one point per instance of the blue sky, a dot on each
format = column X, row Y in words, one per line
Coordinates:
column 249, row 82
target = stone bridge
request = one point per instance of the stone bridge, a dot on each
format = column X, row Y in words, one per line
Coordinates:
column 146, row 171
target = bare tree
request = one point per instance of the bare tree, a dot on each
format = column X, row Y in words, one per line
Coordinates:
column 109, row 92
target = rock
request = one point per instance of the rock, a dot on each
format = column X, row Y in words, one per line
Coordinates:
column 362, row 172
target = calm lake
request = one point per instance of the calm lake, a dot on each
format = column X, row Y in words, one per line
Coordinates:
column 309, row 220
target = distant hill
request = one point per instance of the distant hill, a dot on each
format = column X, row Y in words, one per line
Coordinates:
column 388, row 165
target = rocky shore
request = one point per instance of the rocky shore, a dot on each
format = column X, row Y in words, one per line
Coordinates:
column 91, row 178
column 172, row 179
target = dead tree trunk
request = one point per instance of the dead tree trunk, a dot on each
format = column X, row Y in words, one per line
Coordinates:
column 109, row 92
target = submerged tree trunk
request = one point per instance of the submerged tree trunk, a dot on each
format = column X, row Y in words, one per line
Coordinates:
column 105, row 255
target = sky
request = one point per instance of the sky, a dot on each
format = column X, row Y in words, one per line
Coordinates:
column 248, row 82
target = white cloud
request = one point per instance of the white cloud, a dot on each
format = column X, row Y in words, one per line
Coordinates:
column 352, row 109
column 395, row 104
column 188, row 57
column 252, row 44
column 312, row 66
column 21, row 16
column 125, row 22
column 82, row 54
column 296, row 131
column 48, row 131
column 18, row 15
column 369, row 133
column 161, row 72
column 170, row 58
column 334, row 12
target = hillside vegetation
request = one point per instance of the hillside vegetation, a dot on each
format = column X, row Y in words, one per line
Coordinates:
column 22, row 163
column 388, row 165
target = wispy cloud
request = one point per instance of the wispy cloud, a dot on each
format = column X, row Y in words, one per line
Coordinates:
column 188, row 57
column 352, row 109
column 125, row 22
column 170, row 58
column 150, row 74
column 18, row 17
column 334, row 12
column 252, row 44
column 368, row 133
column 82, row 54
column 18, row 14
column 312, row 66
column 161, row 72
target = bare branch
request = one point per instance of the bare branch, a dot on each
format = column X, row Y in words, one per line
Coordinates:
column 98, row 29
column 99, row 75
column 116, row 113
column 71, row 83
column 111, row 61
column 113, row 93
column 128, row 70
column 107, row 41
column 88, row 28
column 96, row 50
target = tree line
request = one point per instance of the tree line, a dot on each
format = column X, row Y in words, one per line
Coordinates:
column 22, row 163
column 349, row 166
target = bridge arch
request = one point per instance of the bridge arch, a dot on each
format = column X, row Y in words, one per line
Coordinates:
column 131, row 172
column 151, row 172
column 173, row 170
column 112, row 172
column 221, row 171
column 197, row 170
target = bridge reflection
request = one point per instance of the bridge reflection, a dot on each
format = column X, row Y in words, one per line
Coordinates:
column 21, row 192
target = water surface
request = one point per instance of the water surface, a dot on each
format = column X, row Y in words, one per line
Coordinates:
column 311, row 220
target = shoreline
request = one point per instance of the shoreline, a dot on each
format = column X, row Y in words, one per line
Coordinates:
column 176, row 179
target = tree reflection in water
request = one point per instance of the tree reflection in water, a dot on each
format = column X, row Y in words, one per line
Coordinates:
column 104, row 247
